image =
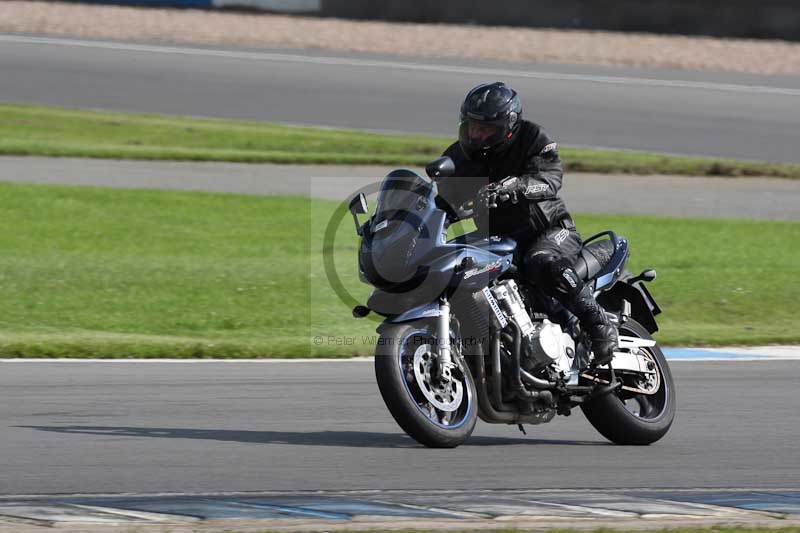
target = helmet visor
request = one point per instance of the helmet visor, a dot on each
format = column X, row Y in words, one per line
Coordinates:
column 482, row 134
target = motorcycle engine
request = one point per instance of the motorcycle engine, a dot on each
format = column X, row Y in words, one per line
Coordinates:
column 543, row 342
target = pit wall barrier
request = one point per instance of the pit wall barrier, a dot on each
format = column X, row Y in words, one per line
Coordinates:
column 275, row 6
column 769, row 19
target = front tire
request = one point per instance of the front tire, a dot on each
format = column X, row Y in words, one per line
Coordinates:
column 628, row 418
column 435, row 416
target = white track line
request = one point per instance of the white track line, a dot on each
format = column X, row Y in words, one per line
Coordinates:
column 401, row 65
column 133, row 514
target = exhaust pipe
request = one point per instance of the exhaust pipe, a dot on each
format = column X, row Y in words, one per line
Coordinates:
column 519, row 386
column 497, row 377
column 486, row 410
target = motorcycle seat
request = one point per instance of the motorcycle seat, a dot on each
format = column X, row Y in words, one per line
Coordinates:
column 593, row 258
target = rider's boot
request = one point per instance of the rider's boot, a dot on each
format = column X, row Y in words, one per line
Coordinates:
column 604, row 342
column 578, row 298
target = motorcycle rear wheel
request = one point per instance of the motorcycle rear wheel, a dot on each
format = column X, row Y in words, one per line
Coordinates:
column 437, row 416
column 628, row 418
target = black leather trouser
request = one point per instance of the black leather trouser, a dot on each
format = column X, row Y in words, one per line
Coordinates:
column 545, row 258
column 548, row 263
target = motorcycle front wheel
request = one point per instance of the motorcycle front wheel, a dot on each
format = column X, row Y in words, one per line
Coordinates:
column 628, row 417
column 437, row 415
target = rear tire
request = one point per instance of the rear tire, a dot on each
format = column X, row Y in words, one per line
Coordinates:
column 611, row 415
column 403, row 393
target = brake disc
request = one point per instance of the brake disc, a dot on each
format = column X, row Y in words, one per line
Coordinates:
column 446, row 396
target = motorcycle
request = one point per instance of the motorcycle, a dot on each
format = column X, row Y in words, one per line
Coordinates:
column 465, row 336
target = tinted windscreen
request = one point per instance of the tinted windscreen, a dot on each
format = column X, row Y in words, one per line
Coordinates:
column 402, row 191
column 387, row 250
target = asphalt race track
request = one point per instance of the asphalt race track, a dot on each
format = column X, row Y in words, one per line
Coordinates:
column 209, row 427
column 743, row 116
column 225, row 426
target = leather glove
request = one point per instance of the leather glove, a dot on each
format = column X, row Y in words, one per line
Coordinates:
column 492, row 195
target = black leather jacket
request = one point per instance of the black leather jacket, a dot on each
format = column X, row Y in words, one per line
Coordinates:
column 533, row 158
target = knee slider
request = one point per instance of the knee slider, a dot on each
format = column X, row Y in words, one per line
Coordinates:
column 553, row 274
column 539, row 267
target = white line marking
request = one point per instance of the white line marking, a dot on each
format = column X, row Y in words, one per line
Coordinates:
column 452, row 512
column 137, row 515
column 583, row 509
column 766, row 359
column 717, row 509
column 777, row 351
column 400, row 65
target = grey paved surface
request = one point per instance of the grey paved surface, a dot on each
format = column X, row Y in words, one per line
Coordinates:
column 200, row 427
column 667, row 111
column 585, row 193
column 461, row 510
column 273, row 426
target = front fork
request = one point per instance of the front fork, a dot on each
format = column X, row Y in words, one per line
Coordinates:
column 444, row 370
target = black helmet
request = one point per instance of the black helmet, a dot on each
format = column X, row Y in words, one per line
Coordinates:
column 490, row 118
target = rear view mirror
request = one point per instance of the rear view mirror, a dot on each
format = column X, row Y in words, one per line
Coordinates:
column 441, row 168
column 358, row 205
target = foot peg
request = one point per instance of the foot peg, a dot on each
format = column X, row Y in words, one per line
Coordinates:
column 603, row 390
column 608, row 388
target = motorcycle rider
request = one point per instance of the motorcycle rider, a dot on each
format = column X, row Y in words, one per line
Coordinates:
column 512, row 170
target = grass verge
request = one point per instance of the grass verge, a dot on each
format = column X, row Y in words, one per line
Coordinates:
column 57, row 132
column 90, row 272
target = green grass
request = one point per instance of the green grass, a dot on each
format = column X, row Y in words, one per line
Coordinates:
column 90, row 272
column 94, row 272
column 56, row 132
column 27, row 130
column 719, row 281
